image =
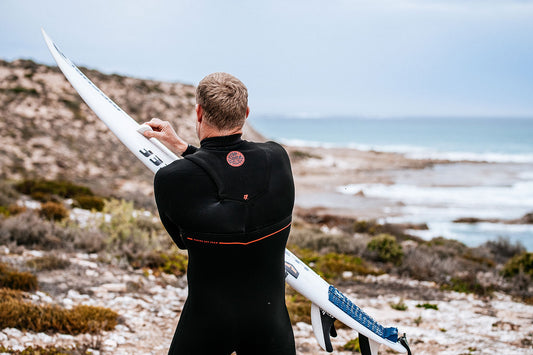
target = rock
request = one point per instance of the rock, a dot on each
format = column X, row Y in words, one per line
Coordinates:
column 113, row 287
column 110, row 344
column 12, row 333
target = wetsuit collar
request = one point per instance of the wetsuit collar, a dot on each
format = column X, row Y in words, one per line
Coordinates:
column 221, row 141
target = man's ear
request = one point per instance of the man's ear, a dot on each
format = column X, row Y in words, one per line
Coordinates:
column 199, row 113
column 247, row 111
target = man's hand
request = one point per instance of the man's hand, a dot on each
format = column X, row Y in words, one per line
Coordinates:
column 163, row 131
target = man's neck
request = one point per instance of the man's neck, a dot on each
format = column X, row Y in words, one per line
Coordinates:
column 209, row 132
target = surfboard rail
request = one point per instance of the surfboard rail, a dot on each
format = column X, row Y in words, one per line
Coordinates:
column 328, row 303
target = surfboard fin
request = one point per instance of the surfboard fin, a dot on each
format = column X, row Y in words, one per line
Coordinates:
column 368, row 346
column 323, row 327
column 403, row 341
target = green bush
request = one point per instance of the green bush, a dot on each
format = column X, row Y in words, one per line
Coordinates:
column 352, row 345
column 41, row 188
column 331, row 266
column 175, row 263
column 427, row 306
column 522, row 263
column 129, row 233
column 386, row 249
column 89, row 202
column 400, row 306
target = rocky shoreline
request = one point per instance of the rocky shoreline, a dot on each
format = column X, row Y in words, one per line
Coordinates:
column 149, row 306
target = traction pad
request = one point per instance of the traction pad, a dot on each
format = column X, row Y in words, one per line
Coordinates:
column 341, row 301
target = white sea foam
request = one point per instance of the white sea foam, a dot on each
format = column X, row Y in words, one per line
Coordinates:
column 519, row 195
column 417, row 152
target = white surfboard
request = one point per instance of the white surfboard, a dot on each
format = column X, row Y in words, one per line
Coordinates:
column 328, row 303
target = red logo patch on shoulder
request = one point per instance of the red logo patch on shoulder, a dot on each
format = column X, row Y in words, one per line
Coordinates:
column 235, row 158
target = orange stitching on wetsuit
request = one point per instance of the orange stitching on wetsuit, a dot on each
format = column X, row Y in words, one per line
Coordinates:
column 240, row 243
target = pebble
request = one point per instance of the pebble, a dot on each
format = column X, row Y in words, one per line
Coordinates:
column 12, row 333
column 150, row 316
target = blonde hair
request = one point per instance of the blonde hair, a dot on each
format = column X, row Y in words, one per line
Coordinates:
column 224, row 100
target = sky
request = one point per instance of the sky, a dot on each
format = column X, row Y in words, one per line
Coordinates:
column 302, row 58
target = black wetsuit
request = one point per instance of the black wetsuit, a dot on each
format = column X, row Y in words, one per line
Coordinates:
column 230, row 204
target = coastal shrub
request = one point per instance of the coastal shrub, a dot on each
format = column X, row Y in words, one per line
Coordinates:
column 352, row 345
column 29, row 230
column 43, row 190
column 89, row 202
column 522, row 263
column 467, row 284
column 298, row 306
column 400, row 306
column 48, row 262
column 386, row 249
column 6, row 293
column 54, row 211
column 447, row 247
column 428, row 306
column 502, row 249
column 478, row 257
column 20, row 90
column 11, row 210
column 17, row 280
column 423, row 263
column 8, row 194
column 39, row 350
column 330, row 266
column 130, row 233
column 27, row 316
column 173, row 263
column 314, row 239
column 372, row 227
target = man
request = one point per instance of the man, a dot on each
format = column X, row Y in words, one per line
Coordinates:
column 229, row 203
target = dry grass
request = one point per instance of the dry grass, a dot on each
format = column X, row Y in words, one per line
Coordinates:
column 54, row 211
column 48, row 262
column 28, row 229
column 298, row 306
column 17, row 280
column 15, row 312
column 314, row 239
column 39, row 350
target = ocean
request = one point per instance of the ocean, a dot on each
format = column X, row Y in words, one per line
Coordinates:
column 437, row 195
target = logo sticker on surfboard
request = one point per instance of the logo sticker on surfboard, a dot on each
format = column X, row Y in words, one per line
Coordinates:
column 235, row 158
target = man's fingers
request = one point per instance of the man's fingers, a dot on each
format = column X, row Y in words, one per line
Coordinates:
column 152, row 134
column 156, row 124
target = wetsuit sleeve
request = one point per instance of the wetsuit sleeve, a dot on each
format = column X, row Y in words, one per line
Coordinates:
column 191, row 149
column 173, row 230
column 161, row 198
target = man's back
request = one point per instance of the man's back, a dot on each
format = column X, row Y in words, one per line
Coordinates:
column 230, row 205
